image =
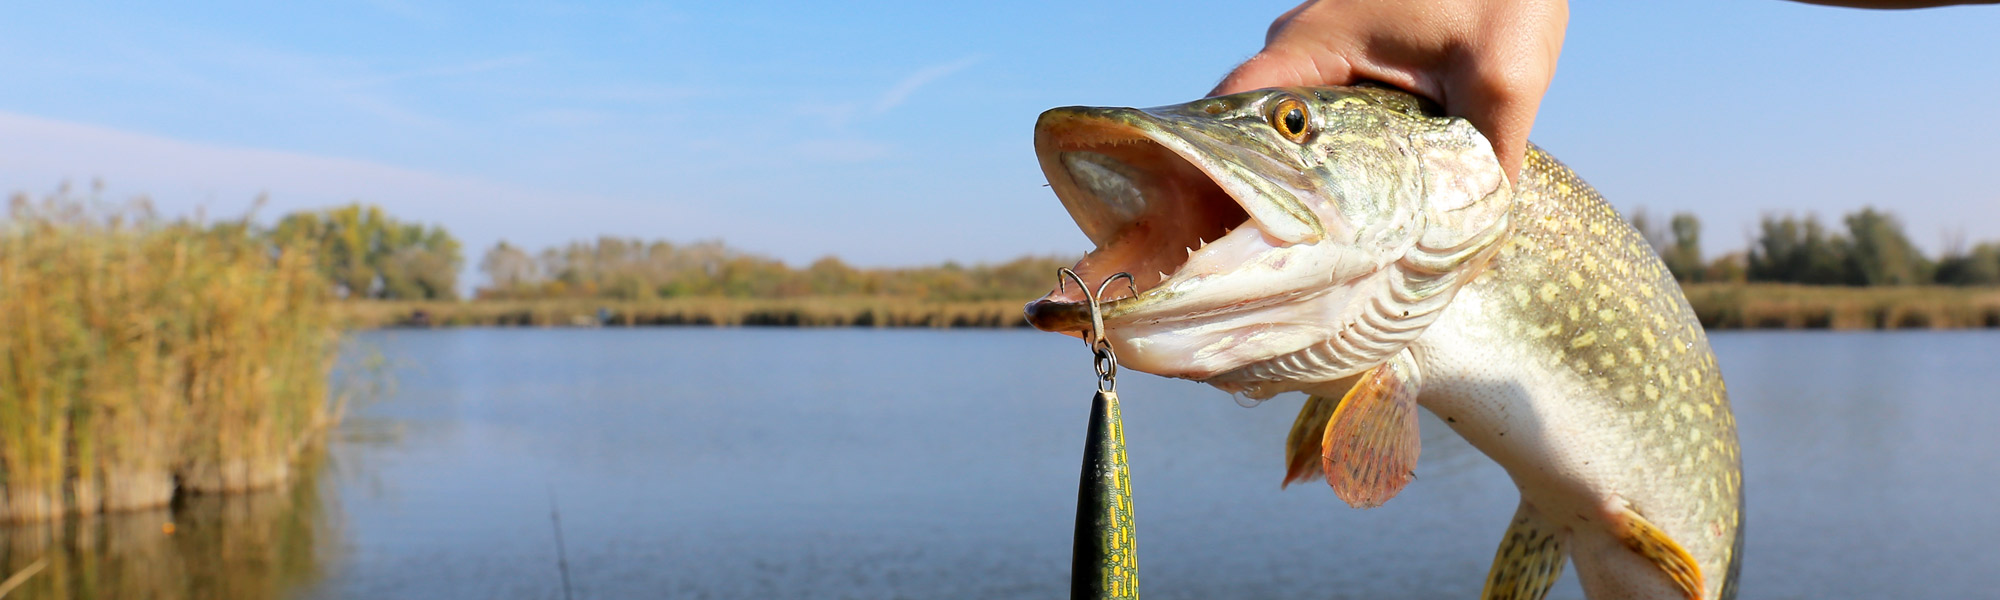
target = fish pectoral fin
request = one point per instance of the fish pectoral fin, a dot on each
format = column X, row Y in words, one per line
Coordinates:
column 1302, row 451
column 1369, row 450
column 1648, row 541
column 1529, row 560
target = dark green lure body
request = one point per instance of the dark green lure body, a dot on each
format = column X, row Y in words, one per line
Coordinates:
column 1105, row 563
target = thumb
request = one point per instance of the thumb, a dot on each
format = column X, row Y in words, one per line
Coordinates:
column 1281, row 68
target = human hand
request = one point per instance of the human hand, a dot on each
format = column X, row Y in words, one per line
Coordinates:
column 1487, row 61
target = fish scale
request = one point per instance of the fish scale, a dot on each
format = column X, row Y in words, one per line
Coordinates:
column 1577, row 287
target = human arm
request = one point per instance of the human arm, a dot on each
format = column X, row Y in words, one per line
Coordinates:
column 1892, row 4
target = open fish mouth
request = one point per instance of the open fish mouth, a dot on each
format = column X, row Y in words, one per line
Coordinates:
column 1283, row 235
column 1147, row 199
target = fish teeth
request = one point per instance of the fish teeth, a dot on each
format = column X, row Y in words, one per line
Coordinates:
column 1163, row 276
column 1203, row 242
column 1190, row 251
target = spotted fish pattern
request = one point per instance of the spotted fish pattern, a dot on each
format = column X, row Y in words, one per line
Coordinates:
column 1580, row 340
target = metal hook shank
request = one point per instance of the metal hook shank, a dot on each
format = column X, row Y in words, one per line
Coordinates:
column 1095, row 336
column 1106, row 362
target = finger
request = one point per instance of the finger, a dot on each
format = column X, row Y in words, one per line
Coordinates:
column 1501, row 93
column 1504, row 117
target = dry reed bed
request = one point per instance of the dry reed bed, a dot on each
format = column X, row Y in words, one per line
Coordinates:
column 1786, row 306
column 140, row 358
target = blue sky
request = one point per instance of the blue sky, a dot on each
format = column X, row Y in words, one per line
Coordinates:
column 897, row 133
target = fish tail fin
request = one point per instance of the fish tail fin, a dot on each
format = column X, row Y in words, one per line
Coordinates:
column 1648, row 541
column 1530, row 558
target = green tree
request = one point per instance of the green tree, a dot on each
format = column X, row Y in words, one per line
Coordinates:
column 1727, row 268
column 1879, row 254
column 1981, row 266
column 1683, row 256
column 1678, row 245
column 368, row 254
column 1795, row 250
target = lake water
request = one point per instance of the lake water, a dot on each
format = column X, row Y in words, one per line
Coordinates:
column 783, row 463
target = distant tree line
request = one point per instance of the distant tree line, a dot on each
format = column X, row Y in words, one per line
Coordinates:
column 632, row 269
column 1871, row 251
column 368, row 254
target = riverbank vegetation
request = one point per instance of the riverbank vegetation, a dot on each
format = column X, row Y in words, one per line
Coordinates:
column 1796, row 274
column 1872, row 251
column 143, row 357
column 841, row 311
column 635, row 270
column 1718, row 305
column 1793, row 306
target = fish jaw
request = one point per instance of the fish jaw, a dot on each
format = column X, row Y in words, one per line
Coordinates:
column 1224, row 258
column 1245, row 246
column 1235, row 306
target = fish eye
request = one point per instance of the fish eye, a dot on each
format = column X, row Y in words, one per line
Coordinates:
column 1289, row 118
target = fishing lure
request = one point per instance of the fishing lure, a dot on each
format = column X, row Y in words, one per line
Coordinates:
column 1104, row 563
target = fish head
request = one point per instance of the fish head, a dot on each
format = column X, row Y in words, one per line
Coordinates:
column 1262, row 224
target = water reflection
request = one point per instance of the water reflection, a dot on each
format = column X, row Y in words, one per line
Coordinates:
column 225, row 547
column 701, row 463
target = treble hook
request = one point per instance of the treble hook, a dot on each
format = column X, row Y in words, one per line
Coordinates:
column 1106, row 359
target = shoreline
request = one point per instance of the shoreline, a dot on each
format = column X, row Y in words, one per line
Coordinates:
column 1719, row 306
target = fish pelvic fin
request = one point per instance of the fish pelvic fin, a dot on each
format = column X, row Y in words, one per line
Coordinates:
column 1648, row 541
column 1302, row 450
column 1369, row 450
column 1302, row 453
column 1529, row 560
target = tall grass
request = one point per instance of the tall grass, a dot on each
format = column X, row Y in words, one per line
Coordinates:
column 138, row 355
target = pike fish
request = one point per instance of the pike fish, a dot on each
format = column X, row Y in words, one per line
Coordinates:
column 1353, row 244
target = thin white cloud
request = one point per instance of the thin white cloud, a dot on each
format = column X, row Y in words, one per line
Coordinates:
column 898, row 94
column 184, row 178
